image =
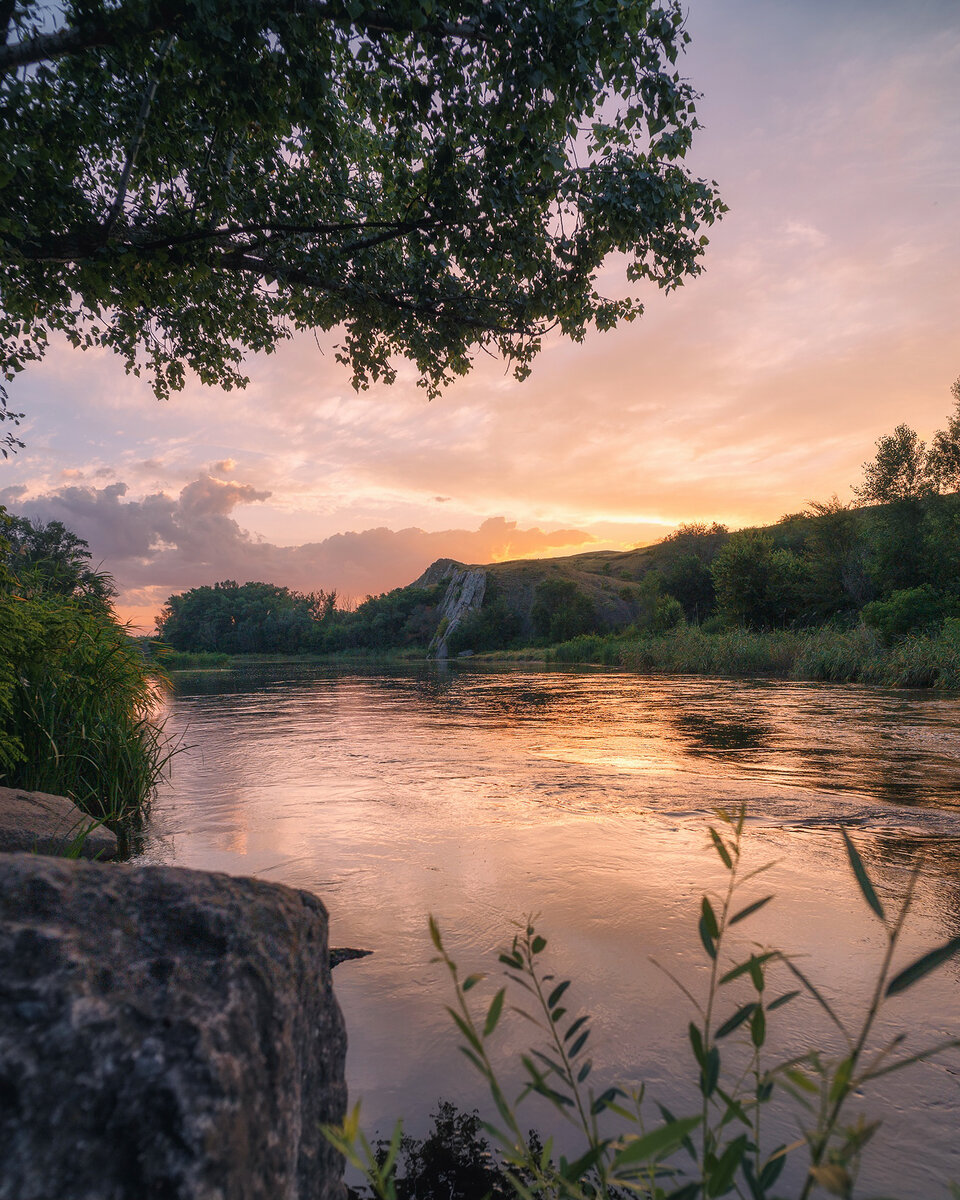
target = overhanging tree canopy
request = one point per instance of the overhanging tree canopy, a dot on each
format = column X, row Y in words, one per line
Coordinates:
column 184, row 181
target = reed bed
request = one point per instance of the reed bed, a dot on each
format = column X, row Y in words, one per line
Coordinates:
column 83, row 713
column 858, row 655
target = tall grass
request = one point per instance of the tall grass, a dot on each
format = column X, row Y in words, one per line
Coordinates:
column 858, row 655
column 81, row 713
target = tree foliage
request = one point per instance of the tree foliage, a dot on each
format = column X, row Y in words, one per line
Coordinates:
column 561, row 611
column 183, row 182
column 898, row 471
column 905, row 469
column 77, row 697
column 757, row 584
column 265, row 618
column 51, row 559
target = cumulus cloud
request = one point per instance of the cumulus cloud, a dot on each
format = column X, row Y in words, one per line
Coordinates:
column 160, row 544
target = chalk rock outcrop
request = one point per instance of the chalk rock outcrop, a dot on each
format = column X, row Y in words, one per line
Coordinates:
column 50, row 825
column 164, row 1033
column 463, row 596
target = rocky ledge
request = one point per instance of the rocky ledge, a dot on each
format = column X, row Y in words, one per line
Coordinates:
column 164, row 1032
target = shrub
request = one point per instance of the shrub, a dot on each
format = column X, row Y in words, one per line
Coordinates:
column 561, row 611
column 587, row 648
column 757, row 586
column 492, row 627
column 907, row 611
column 78, row 719
column 722, row 1146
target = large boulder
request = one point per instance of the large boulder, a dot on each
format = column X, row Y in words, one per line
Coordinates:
column 49, row 824
column 164, row 1033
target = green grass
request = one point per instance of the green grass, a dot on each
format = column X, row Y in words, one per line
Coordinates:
column 82, row 714
column 203, row 660
column 827, row 654
column 177, row 660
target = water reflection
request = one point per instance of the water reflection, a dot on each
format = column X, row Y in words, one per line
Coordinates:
column 481, row 796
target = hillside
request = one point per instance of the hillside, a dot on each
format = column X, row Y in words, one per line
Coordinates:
column 893, row 569
column 608, row 585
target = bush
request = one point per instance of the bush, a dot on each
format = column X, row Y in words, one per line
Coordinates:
column 78, row 717
column 908, row 610
column 692, row 651
column 561, row 611
column 758, row 586
column 588, row 648
column 492, row 627
column 689, row 580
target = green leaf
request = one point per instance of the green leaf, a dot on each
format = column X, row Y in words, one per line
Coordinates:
column 709, row 917
column 863, row 879
column 758, row 1027
column 471, row 981
column 696, row 1041
column 709, row 944
column 721, row 1177
column 538, row 945
column 770, row 1171
column 580, row 1166
column 579, row 1044
column 493, row 1012
column 781, row 1000
column 738, row 1018
column 923, row 966
column 577, row 1024
column 747, row 965
column 557, row 993
column 653, row 1146
column 710, row 1074
column 749, row 910
column 465, row 1030
column 605, row 1100
column 721, row 849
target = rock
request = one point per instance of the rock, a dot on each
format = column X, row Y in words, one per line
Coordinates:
column 463, row 596
column 164, row 1033
column 339, row 954
column 49, row 824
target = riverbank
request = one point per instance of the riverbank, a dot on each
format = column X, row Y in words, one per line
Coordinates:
column 829, row 655
column 823, row 655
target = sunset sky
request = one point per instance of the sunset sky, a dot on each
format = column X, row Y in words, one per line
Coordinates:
column 827, row 314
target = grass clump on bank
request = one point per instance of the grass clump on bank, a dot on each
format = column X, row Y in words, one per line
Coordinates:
column 826, row 654
column 77, row 695
column 202, row 660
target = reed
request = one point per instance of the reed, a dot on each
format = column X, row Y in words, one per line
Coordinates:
column 83, row 712
column 825, row 654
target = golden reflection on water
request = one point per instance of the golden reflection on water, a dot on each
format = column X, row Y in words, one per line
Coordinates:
column 483, row 796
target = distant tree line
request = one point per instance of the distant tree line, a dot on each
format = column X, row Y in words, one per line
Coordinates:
column 264, row 618
column 893, row 563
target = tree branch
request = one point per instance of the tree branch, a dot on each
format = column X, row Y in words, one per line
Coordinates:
column 146, row 104
column 114, row 27
column 80, row 244
column 433, row 309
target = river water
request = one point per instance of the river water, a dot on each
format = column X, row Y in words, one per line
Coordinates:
column 584, row 797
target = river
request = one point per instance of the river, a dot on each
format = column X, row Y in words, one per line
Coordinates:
column 584, row 797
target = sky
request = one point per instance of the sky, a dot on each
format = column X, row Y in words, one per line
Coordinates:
column 827, row 313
